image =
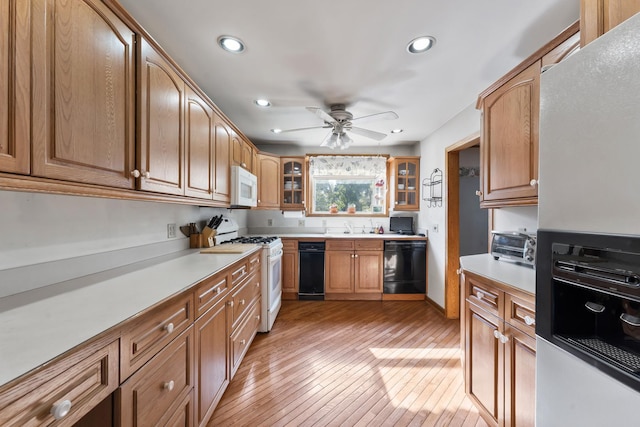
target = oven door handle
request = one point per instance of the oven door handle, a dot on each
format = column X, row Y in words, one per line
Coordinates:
column 595, row 307
column 631, row 320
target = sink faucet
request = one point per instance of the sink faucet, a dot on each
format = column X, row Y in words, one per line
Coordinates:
column 349, row 228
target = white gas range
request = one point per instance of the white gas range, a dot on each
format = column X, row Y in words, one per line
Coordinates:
column 271, row 262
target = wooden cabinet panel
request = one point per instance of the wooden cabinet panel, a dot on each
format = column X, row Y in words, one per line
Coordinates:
column 152, row 331
column 83, row 81
column 199, row 146
column 84, row 379
column 243, row 336
column 151, row 396
column 211, row 291
column 510, row 138
column 290, row 275
column 338, row 271
column 520, row 378
column 161, row 128
column 599, row 16
column 368, row 271
column 520, row 313
column 247, row 156
column 15, row 86
column 212, row 355
column 484, row 359
column 340, row 245
column 222, row 171
column 485, row 296
column 236, row 150
column 406, row 183
column 562, row 51
column 243, row 297
column 268, row 181
column 183, row 415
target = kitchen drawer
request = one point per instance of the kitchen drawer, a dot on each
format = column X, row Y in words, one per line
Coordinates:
column 339, row 245
column 521, row 313
column 369, row 245
column 210, row 291
column 243, row 297
column 183, row 415
column 82, row 379
column 485, row 296
column 243, row 336
column 239, row 272
column 148, row 334
column 289, row 245
column 253, row 265
column 153, row 394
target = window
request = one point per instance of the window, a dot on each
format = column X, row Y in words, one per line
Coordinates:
column 350, row 185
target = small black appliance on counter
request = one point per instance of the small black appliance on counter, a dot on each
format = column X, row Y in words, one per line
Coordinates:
column 401, row 225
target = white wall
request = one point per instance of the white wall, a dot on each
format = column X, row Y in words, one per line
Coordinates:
column 40, row 231
column 432, row 155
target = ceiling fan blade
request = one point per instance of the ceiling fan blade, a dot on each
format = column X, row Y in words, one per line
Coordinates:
column 309, row 128
column 322, row 114
column 387, row 115
column 368, row 133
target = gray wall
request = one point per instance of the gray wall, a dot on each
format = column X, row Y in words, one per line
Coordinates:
column 474, row 222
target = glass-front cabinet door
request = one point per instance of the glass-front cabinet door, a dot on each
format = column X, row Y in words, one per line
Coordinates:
column 407, row 179
column 292, row 185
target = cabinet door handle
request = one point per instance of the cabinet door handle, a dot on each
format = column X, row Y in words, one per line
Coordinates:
column 146, row 174
column 242, row 302
column 60, row 410
column 459, row 271
column 219, row 291
column 533, row 182
column 504, row 339
column 243, row 342
column 496, row 334
column 135, row 173
column 478, row 193
column 230, row 303
column 258, row 318
column 529, row 320
column 169, row 385
column 356, row 256
column 480, row 295
column 168, row 327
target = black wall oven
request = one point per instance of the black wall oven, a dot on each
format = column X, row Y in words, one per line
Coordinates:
column 588, row 299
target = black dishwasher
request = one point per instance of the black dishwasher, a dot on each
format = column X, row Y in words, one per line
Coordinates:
column 311, row 266
column 405, row 267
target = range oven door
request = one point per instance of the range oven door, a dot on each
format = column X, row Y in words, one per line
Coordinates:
column 588, row 300
column 271, row 289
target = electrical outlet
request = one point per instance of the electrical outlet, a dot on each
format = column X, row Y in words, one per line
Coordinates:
column 435, row 228
column 301, row 223
column 171, row 231
column 270, row 222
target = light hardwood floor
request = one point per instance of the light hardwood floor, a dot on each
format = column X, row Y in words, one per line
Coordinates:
column 351, row 363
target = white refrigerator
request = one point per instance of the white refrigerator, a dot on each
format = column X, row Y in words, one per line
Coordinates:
column 589, row 182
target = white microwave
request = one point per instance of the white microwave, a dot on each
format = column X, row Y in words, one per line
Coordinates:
column 244, row 187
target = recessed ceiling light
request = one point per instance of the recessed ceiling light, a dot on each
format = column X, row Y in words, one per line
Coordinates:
column 396, row 131
column 276, row 130
column 421, row 44
column 231, row 44
column 263, row 103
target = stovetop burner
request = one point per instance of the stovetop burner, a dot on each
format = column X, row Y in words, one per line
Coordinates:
column 253, row 239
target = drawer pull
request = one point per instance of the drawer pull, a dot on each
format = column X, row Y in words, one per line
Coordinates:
column 496, row 334
column 169, row 327
column 242, row 301
column 230, row 303
column 504, row 339
column 60, row 410
column 258, row 318
column 243, row 342
column 529, row 320
column 480, row 295
column 219, row 291
column 169, row 385
column 459, row 271
column 257, row 284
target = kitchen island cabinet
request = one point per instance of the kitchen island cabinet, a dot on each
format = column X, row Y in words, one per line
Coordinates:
column 83, row 114
column 15, row 87
column 498, row 338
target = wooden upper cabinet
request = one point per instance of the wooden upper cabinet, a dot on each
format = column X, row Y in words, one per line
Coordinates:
column 83, row 87
column 161, row 123
column 199, row 147
column 15, row 87
column 292, row 184
column 242, row 152
column 562, row 51
column 406, row 182
column 599, row 16
column 222, row 167
column 510, row 139
column 268, row 181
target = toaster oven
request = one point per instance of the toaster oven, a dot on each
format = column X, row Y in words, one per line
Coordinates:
column 514, row 246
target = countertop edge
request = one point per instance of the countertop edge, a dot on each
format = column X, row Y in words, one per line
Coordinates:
column 507, row 273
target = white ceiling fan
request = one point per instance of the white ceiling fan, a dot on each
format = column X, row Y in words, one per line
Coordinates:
column 340, row 121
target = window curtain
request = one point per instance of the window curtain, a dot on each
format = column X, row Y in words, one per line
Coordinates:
column 374, row 166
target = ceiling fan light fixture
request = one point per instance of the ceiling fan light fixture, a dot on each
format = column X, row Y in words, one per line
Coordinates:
column 231, row 44
column 264, row 103
column 421, row 44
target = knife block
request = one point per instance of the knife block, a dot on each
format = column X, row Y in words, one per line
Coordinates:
column 207, row 237
column 195, row 240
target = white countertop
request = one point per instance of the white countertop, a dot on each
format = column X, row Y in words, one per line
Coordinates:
column 41, row 324
column 515, row 275
column 385, row 236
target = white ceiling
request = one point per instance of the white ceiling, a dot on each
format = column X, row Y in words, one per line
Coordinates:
column 303, row 53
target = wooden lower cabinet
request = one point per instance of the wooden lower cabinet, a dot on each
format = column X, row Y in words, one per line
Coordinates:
column 290, row 276
column 353, row 269
column 212, row 356
column 157, row 390
column 499, row 353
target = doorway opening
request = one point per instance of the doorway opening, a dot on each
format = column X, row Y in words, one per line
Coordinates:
column 467, row 224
